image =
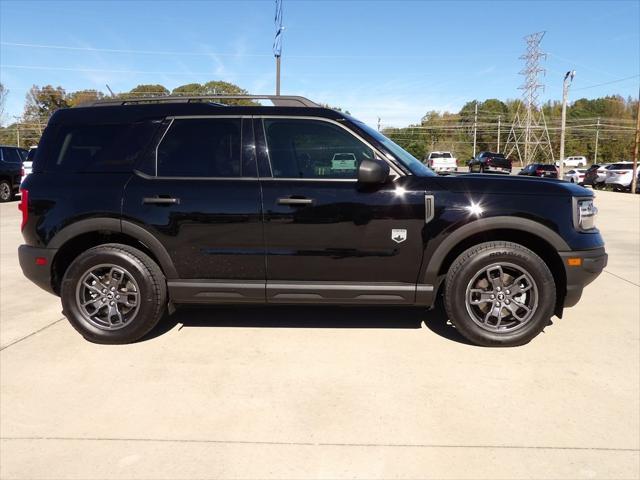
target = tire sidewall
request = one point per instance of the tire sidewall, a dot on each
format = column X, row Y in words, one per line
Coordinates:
column 149, row 297
column 524, row 259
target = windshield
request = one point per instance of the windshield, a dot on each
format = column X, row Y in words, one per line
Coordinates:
column 414, row 165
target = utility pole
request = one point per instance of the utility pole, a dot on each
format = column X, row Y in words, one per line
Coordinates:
column 498, row 149
column 17, row 129
column 475, row 129
column 595, row 155
column 378, row 123
column 568, row 78
column 634, row 179
column 277, row 42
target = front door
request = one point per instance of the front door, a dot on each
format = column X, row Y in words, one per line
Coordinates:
column 201, row 199
column 328, row 238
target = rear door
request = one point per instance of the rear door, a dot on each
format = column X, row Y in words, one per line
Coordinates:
column 329, row 239
column 199, row 195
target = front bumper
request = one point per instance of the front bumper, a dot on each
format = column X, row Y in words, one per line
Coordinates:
column 36, row 269
column 581, row 268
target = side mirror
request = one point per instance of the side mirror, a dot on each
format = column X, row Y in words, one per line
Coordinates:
column 373, row 171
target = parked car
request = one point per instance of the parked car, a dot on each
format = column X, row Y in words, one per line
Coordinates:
column 489, row 162
column 442, row 162
column 545, row 170
column 575, row 175
column 134, row 206
column 619, row 176
column 601, row 175
column 28, row 163
column 10, row 171
column 578, row 161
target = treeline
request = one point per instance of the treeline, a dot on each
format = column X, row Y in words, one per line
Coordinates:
column 610, row 120
column 41, row 102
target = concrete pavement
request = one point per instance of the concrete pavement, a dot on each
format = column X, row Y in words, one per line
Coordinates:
column 325, row 392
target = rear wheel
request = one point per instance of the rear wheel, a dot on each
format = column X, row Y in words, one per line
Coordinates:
column 499, row 294
column 6, row 193
column 113, row 294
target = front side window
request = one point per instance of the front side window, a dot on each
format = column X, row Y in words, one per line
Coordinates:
column 313, row 149
column 204, row 147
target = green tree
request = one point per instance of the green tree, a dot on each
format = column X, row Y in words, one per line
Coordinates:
column 215, row 87
column 43, row 101
column 149, row 90
column 83, row 96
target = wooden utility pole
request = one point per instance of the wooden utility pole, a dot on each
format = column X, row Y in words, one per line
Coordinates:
column 595, row 155
column 568, row 78
column 634, row 179
column 498, row 149
column 475, row 129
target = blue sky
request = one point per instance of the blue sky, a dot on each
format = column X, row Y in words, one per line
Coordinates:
column 393, row 59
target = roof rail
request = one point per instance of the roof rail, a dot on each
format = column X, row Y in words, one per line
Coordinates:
column 276, row 100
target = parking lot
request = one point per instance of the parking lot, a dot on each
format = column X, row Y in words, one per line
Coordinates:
column 303, row 392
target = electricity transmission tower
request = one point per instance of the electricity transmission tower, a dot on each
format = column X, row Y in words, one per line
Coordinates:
column 529, row 136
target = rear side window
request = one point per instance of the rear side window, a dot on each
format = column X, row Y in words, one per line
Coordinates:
column 205, row 147
column 622, row 166
column 11, row 155
column 97, row 148
column 313, row 149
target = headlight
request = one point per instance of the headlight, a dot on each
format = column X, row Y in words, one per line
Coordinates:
column 584, row 213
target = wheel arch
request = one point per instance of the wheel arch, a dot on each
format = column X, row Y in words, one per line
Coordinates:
column 82, row 235
column 536, row 237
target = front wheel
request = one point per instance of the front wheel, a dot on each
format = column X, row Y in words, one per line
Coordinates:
column 113, row 294
column 499, row 294
column 6, row 192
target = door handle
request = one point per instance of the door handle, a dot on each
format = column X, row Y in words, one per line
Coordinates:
column 295, row 201
column 161, row 200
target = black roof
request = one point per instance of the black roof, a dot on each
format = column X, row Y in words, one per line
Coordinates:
column 138, row 112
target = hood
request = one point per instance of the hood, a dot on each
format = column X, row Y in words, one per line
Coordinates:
column 512, row 185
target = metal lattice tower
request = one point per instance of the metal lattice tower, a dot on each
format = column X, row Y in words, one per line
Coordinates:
column 529, row 136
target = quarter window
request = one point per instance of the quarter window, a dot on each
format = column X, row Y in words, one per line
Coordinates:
column 205, row 147
column 313, row 149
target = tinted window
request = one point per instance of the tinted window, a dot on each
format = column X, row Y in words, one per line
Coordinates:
column 622, row 166
column 10, row 155
column 436, row 155
column 313, row 149
column 97, row 148
column 446, row 155
column 206, row 147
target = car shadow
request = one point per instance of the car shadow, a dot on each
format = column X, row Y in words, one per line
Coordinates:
column 289, row 316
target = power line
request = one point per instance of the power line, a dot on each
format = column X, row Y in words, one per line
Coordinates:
column 608, row 83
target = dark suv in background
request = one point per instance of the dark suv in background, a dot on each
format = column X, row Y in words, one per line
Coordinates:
column 545, row 170
column 134, row 206
column 489, row 162
column 11, row 159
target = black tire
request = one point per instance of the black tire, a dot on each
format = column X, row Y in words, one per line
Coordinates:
column 597, row 185
column 6, row 191
column 151, row 285
column 474, row 260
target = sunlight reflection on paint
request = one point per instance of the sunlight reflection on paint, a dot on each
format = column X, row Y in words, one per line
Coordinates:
column 475, row 209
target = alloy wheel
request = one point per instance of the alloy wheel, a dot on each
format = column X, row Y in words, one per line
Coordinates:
column 108, row 296
column 502, row 297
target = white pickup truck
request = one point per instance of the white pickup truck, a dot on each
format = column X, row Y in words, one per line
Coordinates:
column 441, row 162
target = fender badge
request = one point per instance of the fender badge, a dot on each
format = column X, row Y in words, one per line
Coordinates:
column 399, row 235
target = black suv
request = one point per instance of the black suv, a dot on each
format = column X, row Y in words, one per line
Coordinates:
column 135, row 206
column 11, row 159
column 544, row 170
column 489, row 162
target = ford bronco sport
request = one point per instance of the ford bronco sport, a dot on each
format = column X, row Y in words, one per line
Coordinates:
column 134, row 206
